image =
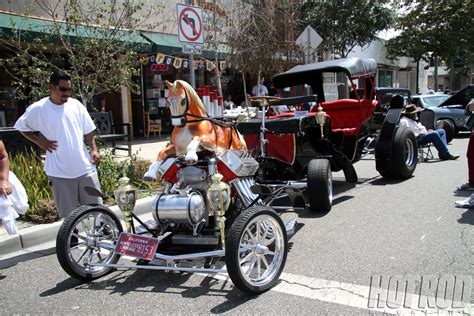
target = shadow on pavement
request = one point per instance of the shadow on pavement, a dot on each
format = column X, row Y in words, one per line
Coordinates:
column 21, row 257
column 464, row 194
column 467, row 217
column 383, row 181
column 179, row 284
column 62, row 286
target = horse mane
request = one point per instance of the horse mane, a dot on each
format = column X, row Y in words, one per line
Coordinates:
column 191, row 94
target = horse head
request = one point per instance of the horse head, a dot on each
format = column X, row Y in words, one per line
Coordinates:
column 183, row 102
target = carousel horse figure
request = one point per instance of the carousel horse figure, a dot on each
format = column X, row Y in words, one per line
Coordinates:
column 193, row 129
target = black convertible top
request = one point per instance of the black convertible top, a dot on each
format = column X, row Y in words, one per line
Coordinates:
column 300, row 74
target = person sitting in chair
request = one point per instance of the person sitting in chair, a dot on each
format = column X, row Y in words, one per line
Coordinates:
column 423, row 136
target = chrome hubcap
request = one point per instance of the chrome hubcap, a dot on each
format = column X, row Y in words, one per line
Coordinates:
column 409, row 152
column 262, row 248
column 84, row 238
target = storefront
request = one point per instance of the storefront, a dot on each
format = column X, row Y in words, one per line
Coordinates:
column 169, row 64
column 164, row 61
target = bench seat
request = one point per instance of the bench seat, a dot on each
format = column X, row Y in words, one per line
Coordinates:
column 347, row 115
column 107, row 131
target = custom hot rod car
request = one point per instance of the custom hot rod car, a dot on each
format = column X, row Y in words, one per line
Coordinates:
column 298, row 151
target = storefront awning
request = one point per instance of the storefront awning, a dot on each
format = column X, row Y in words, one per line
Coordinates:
column 34, row 27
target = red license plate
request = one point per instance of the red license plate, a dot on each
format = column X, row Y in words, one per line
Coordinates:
column 137, row 246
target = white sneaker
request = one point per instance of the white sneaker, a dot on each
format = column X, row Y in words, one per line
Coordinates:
column 467, row 203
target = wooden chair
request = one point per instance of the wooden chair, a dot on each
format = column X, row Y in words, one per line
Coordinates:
column 152, row 126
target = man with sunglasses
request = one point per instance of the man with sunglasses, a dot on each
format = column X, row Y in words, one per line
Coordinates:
column 59, row 124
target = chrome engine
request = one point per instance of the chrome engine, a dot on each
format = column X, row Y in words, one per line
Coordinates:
column 180, row 208
column 185, row 200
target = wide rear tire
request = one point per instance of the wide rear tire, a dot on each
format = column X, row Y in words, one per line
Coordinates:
column 319, row 190
column 403, row 157
column 256, row 249
column 77, row 243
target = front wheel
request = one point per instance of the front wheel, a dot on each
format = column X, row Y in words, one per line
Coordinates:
column 256, row 249
column 79, row 241
column 448, row 127
column 319, row 190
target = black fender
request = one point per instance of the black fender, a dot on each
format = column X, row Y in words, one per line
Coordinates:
column 383, row 148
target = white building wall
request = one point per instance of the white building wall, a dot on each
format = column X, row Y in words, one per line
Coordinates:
column 401, row 79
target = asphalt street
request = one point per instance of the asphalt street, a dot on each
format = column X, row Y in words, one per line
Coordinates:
column 375, row 228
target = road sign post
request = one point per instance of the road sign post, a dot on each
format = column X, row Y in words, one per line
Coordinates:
column 190, row 33
column 310, row 40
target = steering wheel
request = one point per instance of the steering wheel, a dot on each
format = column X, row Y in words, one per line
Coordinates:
column 263, row 100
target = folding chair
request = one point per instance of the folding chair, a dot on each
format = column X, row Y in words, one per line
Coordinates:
column 425, row 153
column 426, row 118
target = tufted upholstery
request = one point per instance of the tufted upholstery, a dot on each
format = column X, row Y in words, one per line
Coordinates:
column 348, row 115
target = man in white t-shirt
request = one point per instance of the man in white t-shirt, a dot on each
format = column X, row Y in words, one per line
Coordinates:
column 63, row 123
column 423, row 136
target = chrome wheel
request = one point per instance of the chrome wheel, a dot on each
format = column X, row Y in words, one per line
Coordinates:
column 256, row 249
column 409, row 152
column 261, row 250
column 88, row 237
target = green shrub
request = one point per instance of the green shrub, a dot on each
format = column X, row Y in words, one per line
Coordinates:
column 111, row 169
column 28, row 167
column 45, row 212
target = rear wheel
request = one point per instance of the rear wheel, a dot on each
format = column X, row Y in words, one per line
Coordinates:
column 448, row 127
column 79, row 240
column 256, row 249
column 403, row 156
column 319, row 190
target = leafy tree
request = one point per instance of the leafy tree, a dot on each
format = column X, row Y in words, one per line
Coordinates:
column 345, row 24
column 442, row 28
column 93, row 40
column 261, row 37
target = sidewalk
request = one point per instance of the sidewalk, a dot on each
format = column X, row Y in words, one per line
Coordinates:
column 148, row 148
column 31, row 236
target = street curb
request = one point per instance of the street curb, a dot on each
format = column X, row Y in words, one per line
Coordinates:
column 43, row 233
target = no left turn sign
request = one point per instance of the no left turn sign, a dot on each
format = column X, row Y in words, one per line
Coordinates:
column 190, row 28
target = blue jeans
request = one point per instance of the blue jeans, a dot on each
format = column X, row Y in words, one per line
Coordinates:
column 438, row 138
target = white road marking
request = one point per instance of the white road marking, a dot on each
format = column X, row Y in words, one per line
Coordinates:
column 345, row 294
column 348, row 294
column 422, row 237
column 438, row 218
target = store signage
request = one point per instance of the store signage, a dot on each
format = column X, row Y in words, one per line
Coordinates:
column 192, row 49
column 159, row 67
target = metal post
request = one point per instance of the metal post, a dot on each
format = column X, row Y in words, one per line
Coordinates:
column 417, row 76
column 191, row 59
column 435, row 75
column 191, row 71
column 308, row 51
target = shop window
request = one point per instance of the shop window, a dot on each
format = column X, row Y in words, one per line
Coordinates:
column 385, row 78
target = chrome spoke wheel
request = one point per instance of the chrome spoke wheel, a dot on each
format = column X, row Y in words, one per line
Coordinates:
column 256, row 249
column 81, row 239
column 84, row 240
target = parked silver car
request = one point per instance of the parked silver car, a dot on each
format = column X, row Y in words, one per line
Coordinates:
column 447, row 108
